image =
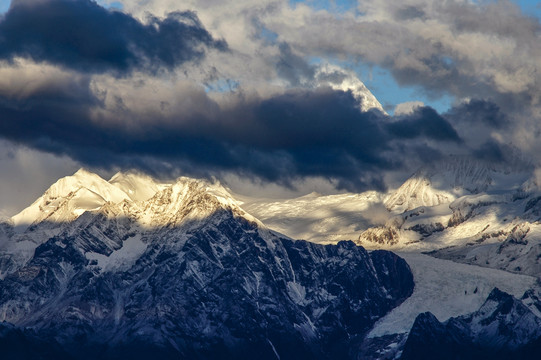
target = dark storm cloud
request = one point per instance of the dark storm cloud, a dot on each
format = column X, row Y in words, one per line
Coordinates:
column 424, row 121
column 280, row 139
column 81, row 35
column 490, row 151
column 476, row 110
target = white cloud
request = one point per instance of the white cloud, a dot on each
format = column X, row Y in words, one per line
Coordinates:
column 407, row 108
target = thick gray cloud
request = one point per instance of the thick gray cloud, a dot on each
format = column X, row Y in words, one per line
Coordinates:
column 479, row 111
column 424, row 121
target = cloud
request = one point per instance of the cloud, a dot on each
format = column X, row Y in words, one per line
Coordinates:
column 450, row 47
column 83, row 36
column 145, row 87
column 280, row 138
column 407, row 107
column 479, row 111
column 292, row 67
column 424, row 121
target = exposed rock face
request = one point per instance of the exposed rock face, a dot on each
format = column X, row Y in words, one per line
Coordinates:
column 187, row 273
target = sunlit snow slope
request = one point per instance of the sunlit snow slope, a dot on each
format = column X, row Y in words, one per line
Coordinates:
column 320, row 218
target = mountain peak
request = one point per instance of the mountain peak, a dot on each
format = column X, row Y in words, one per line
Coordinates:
column 339, row 79
column 138, row 186
column 82, row 172
column 455, row 176
column 186, row 268
column 68, row 198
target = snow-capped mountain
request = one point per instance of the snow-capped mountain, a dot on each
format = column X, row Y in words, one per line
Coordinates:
column 469, row 212
column 461, row 202
column 454, row 177
column 68, row 198
column 341, row 79
column 133, row 267
column 106, row 269
column 488, row 217
column 497, row 230
column 64, row 202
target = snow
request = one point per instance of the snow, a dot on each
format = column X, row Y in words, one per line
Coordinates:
column 138, row 187
column 221, row 194
column 443, row 287
column 481, row 197
column 447, row 289
column 417, row 191
column 350, row 82
column 87, row 190
column 121, row 259
column 477, row 218
column 320, row 218
column 452, row 178
column 273, row 349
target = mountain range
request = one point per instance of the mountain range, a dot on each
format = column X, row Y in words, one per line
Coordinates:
column 135, row 267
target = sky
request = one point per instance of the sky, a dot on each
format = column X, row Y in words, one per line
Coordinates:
column 272, row 97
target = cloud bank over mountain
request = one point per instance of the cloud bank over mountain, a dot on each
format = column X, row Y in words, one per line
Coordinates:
column 268, row 91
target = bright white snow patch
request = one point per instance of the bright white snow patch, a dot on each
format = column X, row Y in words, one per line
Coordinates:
column 447, row 289
column 121, row 259
column 138, row 187
column 347, row 80
column 68, row 198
